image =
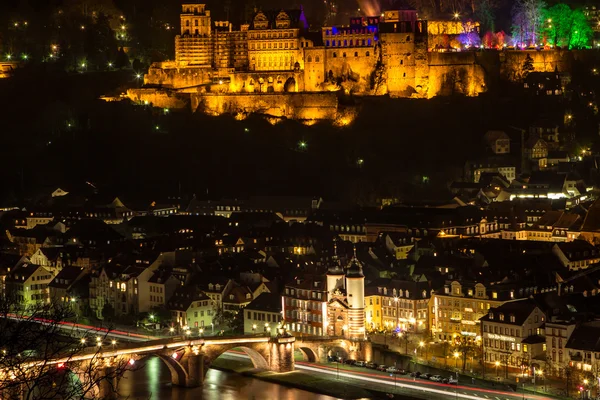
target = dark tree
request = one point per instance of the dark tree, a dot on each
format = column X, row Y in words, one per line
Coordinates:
column 527, row 66
column 28, row 347
column 122, row 60
column 108, row 312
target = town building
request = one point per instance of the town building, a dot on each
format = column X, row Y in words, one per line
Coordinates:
column 393, row 304
column 576, row 255
column 513, row 335
column 457, row 309
column 328, row 305
column 28, row 285
column 191, row 309
column 498, row 142
column 557, row 334
column 263, row 315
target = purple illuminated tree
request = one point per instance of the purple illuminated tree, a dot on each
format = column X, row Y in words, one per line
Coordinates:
column 527, row 20
column 469, row 39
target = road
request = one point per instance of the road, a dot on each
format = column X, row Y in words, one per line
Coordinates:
column 406, row 385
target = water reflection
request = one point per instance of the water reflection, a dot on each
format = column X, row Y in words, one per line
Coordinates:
column 153, row 381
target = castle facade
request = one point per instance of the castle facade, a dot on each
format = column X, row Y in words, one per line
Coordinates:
column 276, row 52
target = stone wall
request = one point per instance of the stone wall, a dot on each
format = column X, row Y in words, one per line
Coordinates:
column 266, row 82
column 399, row 59
column 455, row 73
column 511, row 62
column 170, row 75
column 162, row 98
column 302, row 106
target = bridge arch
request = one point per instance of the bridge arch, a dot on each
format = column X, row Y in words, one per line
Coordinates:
column 259, row 356
column 308, row 354
column 339, row 351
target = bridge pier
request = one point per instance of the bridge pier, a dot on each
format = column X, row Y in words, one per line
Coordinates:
column 107, row 385
column 195, row 370
column 13, row 393
column 281, row 357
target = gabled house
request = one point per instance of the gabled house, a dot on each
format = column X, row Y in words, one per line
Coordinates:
column 191, row 308
column 497, row 141
column 31, row 240
column 28, row 284
column 236, row 298
column 262, row 313
column 513, row 335
column 536, row 149
column 60, row 286
column 159, row 288
column 576, row 255
column 398, row 244
column 49, row 257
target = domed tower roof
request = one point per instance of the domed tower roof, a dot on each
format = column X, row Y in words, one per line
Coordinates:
column 354, row 269
column 335, row 268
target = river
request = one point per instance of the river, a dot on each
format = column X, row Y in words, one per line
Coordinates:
column 153, row 381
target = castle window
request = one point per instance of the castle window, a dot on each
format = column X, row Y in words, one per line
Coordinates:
column 309, row 59
column 401, row 62
column 367, row 53
column 196, row 23
column 344, row 55
column 327, row 43
column 369, row 42
column 404, row 74
column 339, row 43
column 187, row 23
column 317, row 59
column 363, row 42
column 351, row 42
column 334, row 54
column 408, row 38
column 356, row 54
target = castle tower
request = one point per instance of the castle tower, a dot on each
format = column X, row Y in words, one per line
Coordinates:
column 355, row 290
column 335, row 275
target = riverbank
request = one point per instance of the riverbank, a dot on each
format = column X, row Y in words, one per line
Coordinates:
column 341, row 388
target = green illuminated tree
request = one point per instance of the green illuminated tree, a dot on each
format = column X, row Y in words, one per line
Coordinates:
column 581, row 33
column 565, row 27
column 557, row 24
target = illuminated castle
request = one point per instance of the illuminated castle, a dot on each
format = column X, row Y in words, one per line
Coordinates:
column 275, row 66
column 276, row 52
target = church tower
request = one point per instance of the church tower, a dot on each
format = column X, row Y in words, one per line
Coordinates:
column 335, row 275
column 355, row 290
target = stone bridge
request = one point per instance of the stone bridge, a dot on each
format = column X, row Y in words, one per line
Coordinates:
column 187, row 359
column 317, row 348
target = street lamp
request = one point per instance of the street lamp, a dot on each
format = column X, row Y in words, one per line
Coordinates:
column 497, row 363
column 456, row 355
column 171, row 329
column 82, row 340
column 397, row 316
column 421, row 344
column 201, row 331
column 253, row 327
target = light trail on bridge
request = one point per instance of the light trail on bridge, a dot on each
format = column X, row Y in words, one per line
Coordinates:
column 424, row 386
column 73, row 326
column 160, row 344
